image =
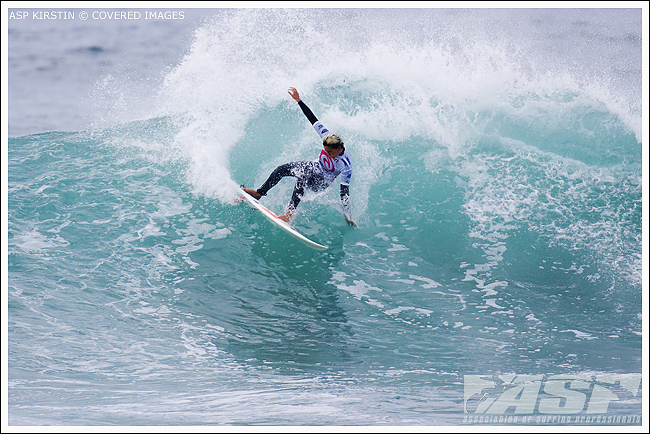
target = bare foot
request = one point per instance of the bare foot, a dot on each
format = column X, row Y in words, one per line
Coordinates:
column 252, row 192
column 286, row 217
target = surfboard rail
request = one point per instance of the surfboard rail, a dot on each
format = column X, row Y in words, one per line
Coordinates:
column 281, row 223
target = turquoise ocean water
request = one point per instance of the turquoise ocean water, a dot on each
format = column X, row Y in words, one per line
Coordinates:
column 497, row 186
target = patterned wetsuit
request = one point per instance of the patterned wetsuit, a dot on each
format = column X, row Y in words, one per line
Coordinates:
column 315, row 175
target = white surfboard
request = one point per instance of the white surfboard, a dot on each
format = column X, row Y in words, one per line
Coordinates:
column 280, row 223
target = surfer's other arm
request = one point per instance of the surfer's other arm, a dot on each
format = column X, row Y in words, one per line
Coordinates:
column 345, row 201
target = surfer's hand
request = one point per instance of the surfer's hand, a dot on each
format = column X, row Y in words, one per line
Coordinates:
column 294, row 94
column 350, row 221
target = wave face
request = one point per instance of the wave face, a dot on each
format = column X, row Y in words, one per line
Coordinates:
column 497, row 186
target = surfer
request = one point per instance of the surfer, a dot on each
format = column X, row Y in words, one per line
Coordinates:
column 315, row 175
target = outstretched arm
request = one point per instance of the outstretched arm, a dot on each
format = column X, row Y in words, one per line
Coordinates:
column 308, row 113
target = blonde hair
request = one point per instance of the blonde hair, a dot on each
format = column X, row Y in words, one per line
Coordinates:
column 332, row 140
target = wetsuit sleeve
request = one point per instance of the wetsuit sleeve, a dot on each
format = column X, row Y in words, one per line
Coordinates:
column 308, row 112
column 345, row 199
column 318, row 126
